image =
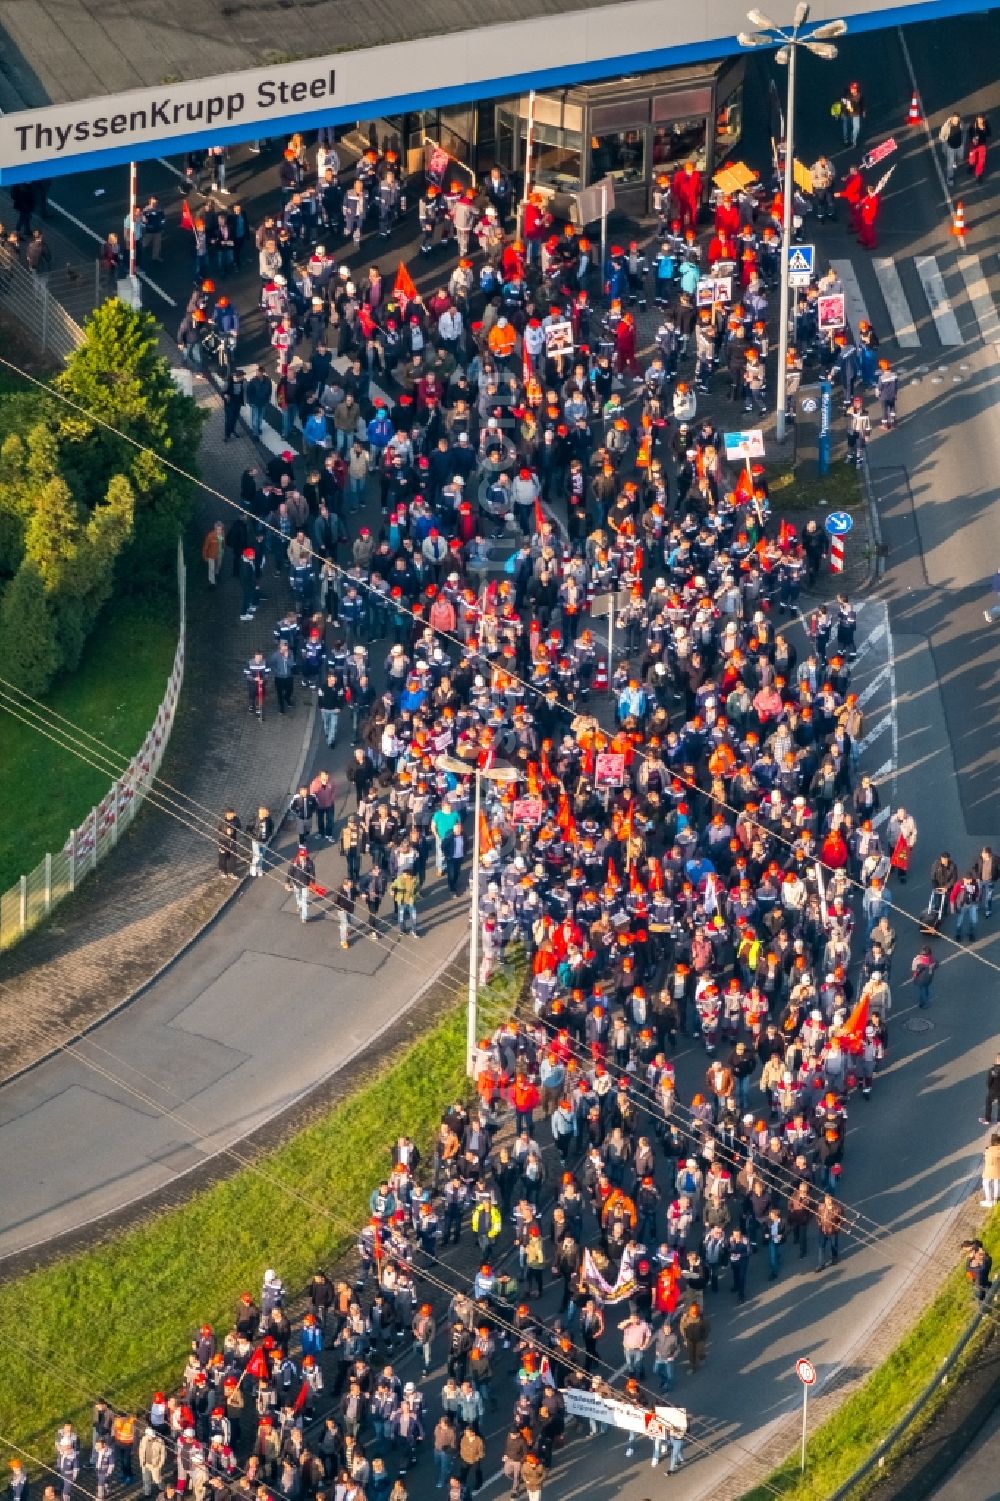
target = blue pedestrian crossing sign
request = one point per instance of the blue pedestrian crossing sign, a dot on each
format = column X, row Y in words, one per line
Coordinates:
column 838, row 523
column 801, row 262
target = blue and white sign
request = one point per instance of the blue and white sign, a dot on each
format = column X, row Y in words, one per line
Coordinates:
column 745, row 445
column 801, row 261
column 838, row 523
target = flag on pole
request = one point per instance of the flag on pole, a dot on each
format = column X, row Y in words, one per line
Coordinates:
column 404, row 286
column 852, row 1033
column 539, row 515
column 485, row 834
column 302, row 1398
column 257, row 1366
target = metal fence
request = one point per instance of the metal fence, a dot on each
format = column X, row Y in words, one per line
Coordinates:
column 56, row 876
column 48, row 304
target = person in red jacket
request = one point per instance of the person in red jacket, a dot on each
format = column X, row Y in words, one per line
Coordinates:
column 852, row 193
column 625, row 346
column 537, row 223
column 868, row 210
column 727, row 216
column 686, row 188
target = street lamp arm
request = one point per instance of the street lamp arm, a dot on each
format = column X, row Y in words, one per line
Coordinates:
column 828, row 30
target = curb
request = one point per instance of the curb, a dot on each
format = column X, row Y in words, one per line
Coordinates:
column 876, row 1458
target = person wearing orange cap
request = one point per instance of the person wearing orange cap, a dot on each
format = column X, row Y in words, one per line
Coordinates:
column 686, row 190
column 886, row 389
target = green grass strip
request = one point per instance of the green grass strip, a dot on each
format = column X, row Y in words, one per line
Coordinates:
column 857, row 1428
column 114, row 694
column 122, row 1315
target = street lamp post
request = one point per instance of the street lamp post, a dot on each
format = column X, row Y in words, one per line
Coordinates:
column 817, row 41
column 491, row 774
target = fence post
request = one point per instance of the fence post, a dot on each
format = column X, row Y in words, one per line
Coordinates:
column 114, row 812
column 72, row 860
column 93, row 831
column 24, row 903
column 48, row 883
column 45, row 317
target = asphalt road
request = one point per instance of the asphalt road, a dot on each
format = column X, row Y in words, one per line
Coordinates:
column 934, row 478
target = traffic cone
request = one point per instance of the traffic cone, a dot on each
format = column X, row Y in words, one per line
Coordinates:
column 958, row 222
column 913, row 113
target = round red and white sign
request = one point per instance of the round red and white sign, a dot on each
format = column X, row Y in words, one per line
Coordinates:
column 806, row 1372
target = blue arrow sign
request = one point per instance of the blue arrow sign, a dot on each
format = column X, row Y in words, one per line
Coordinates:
column 838, row 523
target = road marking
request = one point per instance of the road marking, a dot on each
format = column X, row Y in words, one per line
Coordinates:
column 895, row 300
column 162, row 161
column 925, row 122
column 885, row 723
column 980, row 296
column 937, row 299
column 269, row 436
column 873, row 687
column 854, row 302
column 100, row 240
column 872, row 639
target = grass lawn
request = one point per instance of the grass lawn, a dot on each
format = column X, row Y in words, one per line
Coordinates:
column 113, row 694
column 838, row 490
column 122, row 1315
column 840, row 1445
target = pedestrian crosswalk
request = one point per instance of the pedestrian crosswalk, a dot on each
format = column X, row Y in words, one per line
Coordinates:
column 919, row 303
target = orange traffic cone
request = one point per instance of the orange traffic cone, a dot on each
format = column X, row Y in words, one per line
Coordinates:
column 958, row 221
column 913, row 113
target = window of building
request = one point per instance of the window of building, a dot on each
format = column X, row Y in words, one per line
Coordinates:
column 729, row 124
column 555, row 155
column 680, row 141
column 620, row 154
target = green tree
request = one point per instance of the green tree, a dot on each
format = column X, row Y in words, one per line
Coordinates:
column 28, row 646
column 118, row 377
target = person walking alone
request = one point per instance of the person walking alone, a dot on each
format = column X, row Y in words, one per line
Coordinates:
column 229, row 844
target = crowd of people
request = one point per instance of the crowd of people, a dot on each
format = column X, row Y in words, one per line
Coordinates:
column 686, row 847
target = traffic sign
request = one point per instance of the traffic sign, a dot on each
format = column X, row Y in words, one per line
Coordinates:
column 745, row 445
column 801, row 261
column 838, row 523
column 806, row 1371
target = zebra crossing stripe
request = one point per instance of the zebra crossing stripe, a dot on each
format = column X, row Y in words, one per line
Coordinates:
column 895, row 300
column 854, row 301
column 883, row 815
column 872, row 688
column 980, row 296
column 869, row 641
column 885, row 723
column 937, row 299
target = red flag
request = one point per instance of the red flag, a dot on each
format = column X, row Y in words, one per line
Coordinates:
column 539, row 515
column 303, row 1396
column 404, row 286
column 612, row 874
column 257, row 1366
column 564, row 814
column 852, row 1033
column 485, row 837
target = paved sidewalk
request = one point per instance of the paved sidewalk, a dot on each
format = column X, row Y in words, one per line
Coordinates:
column 160, row 887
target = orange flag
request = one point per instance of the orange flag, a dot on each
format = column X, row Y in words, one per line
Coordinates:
column 564, row 814
column 852, row 1033
column 404, row 285
column 485, row 834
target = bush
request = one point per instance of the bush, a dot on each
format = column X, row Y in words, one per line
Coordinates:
column 118, row 376
column 82, row 510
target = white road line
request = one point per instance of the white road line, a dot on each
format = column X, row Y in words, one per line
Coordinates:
column 885, row 723
column 937, row 299
column 891, row 287
column 935, row 158
column 884, row 814
column 866, row 645
column 854, row 301
column 162, row 161
column 86, row 229
column 883, row 771
column 873, row 687
column 269, row 436
column 980, row 296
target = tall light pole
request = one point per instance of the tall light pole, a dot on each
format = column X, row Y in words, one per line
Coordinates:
column 817, row 41
column 492, row 774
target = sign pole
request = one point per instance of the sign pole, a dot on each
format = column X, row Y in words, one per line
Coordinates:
column 470, row 1028
column 805, row 1415
column 133, row 204
column 611, row 643
column 528, row 144
column 604, row 226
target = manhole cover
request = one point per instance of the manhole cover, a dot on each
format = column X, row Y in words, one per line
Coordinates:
column 918, row 1024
